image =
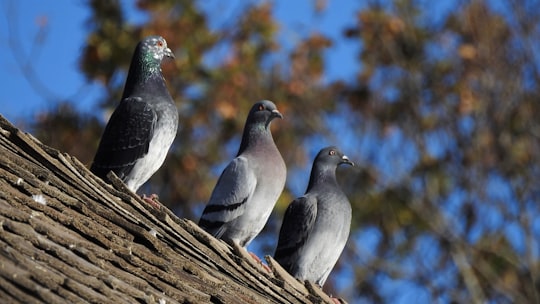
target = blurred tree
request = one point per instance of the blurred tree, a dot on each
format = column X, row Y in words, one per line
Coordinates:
column 449, row 104
column 440, row 118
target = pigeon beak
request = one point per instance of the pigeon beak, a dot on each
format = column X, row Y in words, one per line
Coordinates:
column 276, row 113
column 167, row 52
column 346, row 160
column 273, row 114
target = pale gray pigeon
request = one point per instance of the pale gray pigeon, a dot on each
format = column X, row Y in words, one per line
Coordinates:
column 143, row 126
column 250, row 185
column 316, row 225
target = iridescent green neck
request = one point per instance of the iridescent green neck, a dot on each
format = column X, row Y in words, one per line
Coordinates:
column 143, row 68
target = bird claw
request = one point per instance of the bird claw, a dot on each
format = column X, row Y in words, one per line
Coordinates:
column 152, row 200
column 260, row 262
column 335, row 300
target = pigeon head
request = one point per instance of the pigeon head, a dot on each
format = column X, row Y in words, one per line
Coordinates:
column 257, row 129
column 332, row 156
column 262, row 113
column 146, row 64
column 325, row 165
column 153, row 49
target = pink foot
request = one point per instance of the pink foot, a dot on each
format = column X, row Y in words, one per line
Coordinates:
column 152, row 200
column 256, row 258
column 335, row 300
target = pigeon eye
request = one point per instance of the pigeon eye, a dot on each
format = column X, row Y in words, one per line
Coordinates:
column 332, row 152
column 159, row 43
column 261, row 107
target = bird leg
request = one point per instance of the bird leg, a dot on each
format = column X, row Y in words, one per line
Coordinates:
column 153, row 200
column 243, row 252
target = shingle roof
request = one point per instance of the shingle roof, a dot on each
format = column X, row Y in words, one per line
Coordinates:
column 67, row 237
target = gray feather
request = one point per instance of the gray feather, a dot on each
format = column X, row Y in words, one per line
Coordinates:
column 250, row 185
column 316, row 226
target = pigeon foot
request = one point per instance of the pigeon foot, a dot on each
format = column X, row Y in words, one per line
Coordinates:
column 335, row 300
column 260, row 262
column 152, row 200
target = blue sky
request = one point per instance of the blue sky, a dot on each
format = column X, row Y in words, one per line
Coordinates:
column 55, row 68
column 51, row 35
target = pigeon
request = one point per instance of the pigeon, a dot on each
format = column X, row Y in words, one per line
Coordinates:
column 250, row 185
column 143, row 126
column 316, row 225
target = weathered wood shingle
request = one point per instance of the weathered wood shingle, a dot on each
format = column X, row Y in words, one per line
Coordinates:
column 68, row 237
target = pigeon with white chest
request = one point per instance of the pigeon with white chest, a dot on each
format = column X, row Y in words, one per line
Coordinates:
column 143, row 126
column 316, row 225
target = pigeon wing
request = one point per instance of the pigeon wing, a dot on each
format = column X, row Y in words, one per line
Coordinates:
column 126, row 137
column 297, row 224
column 228, row 201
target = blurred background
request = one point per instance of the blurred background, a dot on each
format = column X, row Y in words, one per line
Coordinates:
column 434, row 100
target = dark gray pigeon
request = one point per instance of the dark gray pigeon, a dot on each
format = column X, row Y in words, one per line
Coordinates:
column 250, row 185
column 316, row 225
column 143, row 126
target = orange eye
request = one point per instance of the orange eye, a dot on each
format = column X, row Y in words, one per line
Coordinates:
column 332, row 152
column 261, row 107
column 159, row 43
